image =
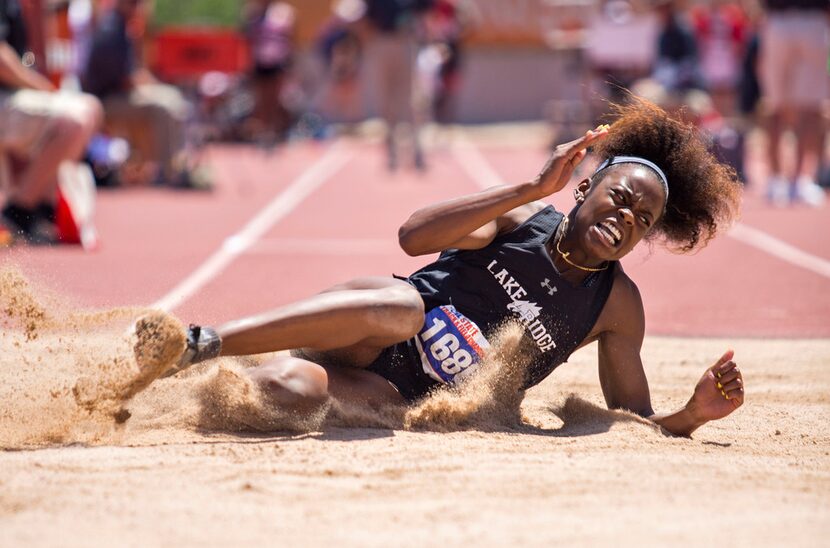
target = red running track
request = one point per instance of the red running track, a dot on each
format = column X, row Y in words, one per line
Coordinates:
column 335, row 213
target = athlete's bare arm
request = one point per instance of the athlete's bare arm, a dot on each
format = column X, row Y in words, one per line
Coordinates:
column 13, row 74
column 623, row 379
column 473, row 221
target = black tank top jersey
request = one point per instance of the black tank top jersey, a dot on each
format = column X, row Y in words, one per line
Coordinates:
column 512, row 278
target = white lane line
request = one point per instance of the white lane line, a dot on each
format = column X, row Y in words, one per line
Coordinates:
column 480, row 170
column 475, row 164
column 282, row 204
column 323, row 246
column 784, row 251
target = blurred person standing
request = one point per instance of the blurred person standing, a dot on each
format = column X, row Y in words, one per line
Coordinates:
column 40, row 129
column 621, row 49
column 269, row 28
column 340, row 46
column 151, row 113
column 749, row 85
column 391, row 52
column 446, row 24
column 721, row 28
column 794, row 78
column 677, row 65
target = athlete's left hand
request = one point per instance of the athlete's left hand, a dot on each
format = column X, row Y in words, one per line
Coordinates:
column 719, row 391
column 561, row 164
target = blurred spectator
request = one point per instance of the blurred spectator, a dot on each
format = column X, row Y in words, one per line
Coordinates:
column 81, row 19
column 620, row 48
column 749, row 87
column 446, row 24
column 721, row 28
column 391, row 54
column 40, row 128
column 150, row 114
column 340, row 46
column 725, row 140
column 269, row 27
column 677, row 66
column 794, row 45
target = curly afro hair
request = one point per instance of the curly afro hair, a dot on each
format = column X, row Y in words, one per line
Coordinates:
column 704, row 194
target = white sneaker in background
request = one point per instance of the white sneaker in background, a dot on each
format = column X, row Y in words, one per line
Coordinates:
column 778, row 191
column 807, row 191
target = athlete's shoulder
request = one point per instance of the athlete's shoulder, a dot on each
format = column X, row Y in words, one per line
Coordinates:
column 519, row 215
column 623, row 310
column 624, row 291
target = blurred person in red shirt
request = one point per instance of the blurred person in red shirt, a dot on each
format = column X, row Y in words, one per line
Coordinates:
column 722, row 30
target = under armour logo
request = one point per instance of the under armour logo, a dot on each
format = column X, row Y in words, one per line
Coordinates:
column 551, row 290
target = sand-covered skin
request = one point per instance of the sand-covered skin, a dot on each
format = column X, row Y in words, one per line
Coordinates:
column 193, row 465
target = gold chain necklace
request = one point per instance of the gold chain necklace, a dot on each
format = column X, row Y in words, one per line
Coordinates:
column 565, row 255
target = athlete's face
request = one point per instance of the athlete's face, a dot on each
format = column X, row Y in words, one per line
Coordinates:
column 618, row 210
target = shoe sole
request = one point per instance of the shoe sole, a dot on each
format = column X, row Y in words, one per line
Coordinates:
column 160, row 340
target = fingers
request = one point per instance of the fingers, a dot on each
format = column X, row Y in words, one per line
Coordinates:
column 728, row 377
column 565, row 158
column 729, row 381
column 736, row 396
column 726, row 373
column 723, row 367
column 733, row 385
column 578, row 157
column 590, row 137
column 733, row 390
column 727, row 356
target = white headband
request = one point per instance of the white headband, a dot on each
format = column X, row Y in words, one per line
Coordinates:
column 613, row 160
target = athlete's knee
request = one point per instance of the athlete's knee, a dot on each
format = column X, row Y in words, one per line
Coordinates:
column 400, row 308
column 293, row 383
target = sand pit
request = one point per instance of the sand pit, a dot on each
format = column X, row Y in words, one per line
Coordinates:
column 198, row 460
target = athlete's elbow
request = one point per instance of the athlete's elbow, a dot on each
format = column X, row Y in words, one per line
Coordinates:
column 409, row 242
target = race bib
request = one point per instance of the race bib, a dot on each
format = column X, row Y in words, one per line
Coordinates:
column 450, row 344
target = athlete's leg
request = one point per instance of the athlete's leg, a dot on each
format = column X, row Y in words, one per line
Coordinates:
column 340, row 330
column 345, row 327
column 302, row 386
column 366, row 314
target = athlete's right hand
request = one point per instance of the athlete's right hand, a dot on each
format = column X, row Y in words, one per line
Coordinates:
column 719, row 391
column 564, row 159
